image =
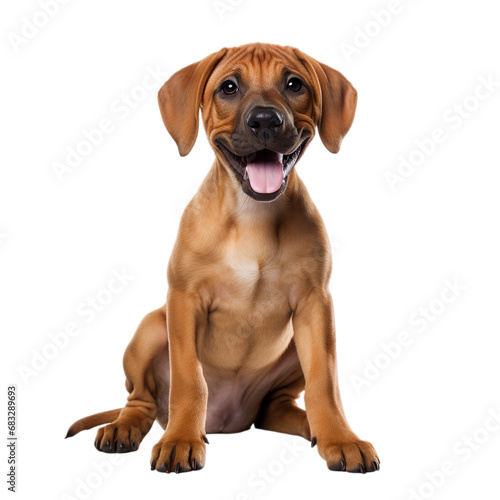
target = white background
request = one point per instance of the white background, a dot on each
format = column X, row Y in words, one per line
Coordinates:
column 393, row 250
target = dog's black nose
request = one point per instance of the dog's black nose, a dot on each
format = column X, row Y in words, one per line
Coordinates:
column 264, row 122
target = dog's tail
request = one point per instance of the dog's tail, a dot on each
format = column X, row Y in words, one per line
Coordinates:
column 93, row 420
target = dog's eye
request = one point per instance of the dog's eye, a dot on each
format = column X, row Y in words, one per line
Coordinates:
column 229, row 87
column 294, row 84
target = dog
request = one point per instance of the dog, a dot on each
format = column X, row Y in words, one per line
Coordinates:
column 248, row 323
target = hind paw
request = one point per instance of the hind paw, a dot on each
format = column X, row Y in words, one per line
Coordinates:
column 118, row 437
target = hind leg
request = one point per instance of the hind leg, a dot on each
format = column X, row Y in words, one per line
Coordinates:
column 142, row 360
column 279, row 411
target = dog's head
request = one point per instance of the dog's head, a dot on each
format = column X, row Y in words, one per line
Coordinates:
column 260, row 105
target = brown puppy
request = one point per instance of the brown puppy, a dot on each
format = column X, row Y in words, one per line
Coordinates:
column 248, row 323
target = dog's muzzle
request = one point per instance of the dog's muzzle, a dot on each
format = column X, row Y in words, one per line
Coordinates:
column 264, row 173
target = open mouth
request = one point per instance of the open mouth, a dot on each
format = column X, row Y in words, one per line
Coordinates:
column 264, row 173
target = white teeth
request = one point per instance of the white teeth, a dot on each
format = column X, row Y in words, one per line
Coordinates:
column 245, row 175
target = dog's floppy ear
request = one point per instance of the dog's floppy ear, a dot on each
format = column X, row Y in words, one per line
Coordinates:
column 180, row 100
column 337, row 102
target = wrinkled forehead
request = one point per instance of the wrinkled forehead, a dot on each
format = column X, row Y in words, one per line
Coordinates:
column 261, row 65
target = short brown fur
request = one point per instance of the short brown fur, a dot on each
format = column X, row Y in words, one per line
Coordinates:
column 248, row 323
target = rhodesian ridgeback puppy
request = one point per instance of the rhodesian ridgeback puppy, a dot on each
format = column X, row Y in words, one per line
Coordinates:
column 248, row 323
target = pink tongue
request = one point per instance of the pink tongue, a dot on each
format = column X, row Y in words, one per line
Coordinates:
column 265, row 172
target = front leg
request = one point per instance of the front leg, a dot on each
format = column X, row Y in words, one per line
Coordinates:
column 314, row 334
column 182, row 446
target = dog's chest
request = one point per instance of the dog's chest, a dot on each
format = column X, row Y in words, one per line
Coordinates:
column 249, row 268
column 243, row 270
column 249, row 315
column 249, row 283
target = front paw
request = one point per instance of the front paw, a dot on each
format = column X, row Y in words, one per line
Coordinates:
column 178, row 454
column 348, row 454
